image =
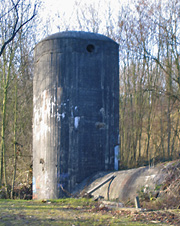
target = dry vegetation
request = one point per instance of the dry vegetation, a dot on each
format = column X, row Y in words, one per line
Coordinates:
column 165, row 195
column 77, row 212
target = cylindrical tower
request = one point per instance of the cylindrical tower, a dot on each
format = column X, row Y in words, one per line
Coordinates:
column 76, row 110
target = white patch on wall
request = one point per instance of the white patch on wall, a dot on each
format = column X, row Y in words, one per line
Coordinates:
column 63, row 115
column 52, row 109
column 102, row 111
column 58, row 116
column 116, row 157
column 76, row 122
column 42, row 114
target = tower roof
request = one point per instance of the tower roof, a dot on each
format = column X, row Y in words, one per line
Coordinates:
column 78, row 35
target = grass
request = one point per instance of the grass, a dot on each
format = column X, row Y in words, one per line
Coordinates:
column 70, row 212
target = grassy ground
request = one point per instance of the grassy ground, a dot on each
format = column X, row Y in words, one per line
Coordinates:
column 71, row 212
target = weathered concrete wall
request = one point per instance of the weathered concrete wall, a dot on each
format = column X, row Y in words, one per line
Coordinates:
column 76, row 110
column 127, row 183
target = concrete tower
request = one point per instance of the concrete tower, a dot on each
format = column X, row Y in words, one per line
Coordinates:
column 76, row 110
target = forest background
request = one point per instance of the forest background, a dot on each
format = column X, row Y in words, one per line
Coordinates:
column 148, row 34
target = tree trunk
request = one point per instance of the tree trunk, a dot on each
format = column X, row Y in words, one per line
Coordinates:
column 15, row 142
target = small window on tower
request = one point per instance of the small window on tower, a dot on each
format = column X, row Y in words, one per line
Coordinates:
column 90, row 48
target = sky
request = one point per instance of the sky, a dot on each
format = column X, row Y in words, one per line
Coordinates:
column 66, row 6
column 52, row 10
column 57, row 15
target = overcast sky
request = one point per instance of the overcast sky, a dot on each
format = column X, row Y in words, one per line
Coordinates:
column 58, row 14
column 66, row 10
column 66, row 6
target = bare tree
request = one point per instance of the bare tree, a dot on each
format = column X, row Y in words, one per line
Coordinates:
column 14, row 19
column 18, row 23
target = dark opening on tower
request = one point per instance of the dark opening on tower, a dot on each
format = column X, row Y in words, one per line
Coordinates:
column 90, row 48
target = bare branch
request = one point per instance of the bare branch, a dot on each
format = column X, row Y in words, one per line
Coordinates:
column 14, row 5
column 156, row 60
column 15, row 29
